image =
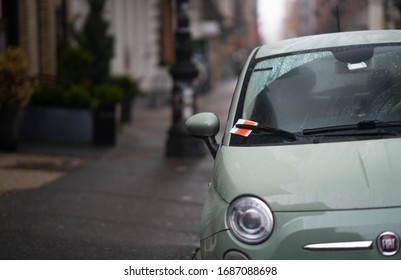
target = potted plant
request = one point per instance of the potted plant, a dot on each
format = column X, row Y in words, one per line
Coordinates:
column 107, row 113
column 130, row 90
column 15, row 93
column 59, row 113
column 75, row 65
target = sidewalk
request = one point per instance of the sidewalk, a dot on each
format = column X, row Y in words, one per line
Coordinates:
column 125, row 202
column 35, row 165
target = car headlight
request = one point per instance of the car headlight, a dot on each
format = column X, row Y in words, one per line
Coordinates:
column 250, row 219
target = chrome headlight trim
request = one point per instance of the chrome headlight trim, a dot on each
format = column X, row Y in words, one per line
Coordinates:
column 250, row 219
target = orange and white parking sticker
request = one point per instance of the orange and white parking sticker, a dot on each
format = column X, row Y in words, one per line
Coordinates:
column 243, row 131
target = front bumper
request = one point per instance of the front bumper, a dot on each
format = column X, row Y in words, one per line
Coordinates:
column 294, row 231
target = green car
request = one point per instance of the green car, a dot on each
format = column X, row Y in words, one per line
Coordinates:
column 310, row 163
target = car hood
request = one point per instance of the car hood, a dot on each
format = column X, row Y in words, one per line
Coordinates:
column 345, row 175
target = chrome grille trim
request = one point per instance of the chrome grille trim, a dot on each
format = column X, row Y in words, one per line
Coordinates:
column 339, row 246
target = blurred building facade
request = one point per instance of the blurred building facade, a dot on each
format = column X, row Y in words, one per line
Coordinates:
column 31, row 26
column 224, row 31
column 143, row 31
column 306, row 17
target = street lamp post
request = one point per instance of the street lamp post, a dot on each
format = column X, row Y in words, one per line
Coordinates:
column 179, row 142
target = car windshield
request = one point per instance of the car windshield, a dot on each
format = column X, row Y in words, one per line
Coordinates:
column 325, row 88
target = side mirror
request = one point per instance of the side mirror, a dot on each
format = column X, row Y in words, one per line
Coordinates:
column 205, row 126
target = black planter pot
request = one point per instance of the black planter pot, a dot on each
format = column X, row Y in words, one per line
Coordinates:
column 57, row 125
column 9, row 128
column 106, row 124
column 126, row 108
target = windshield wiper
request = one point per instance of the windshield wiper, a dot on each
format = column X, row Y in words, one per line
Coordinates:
column 363, row 125
column 275, row 131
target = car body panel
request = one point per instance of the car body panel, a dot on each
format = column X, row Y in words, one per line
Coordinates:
column 343, row 175
column 294, row 230
column 213, row 210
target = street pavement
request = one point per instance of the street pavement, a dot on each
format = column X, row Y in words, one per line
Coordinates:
column 124, row 202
